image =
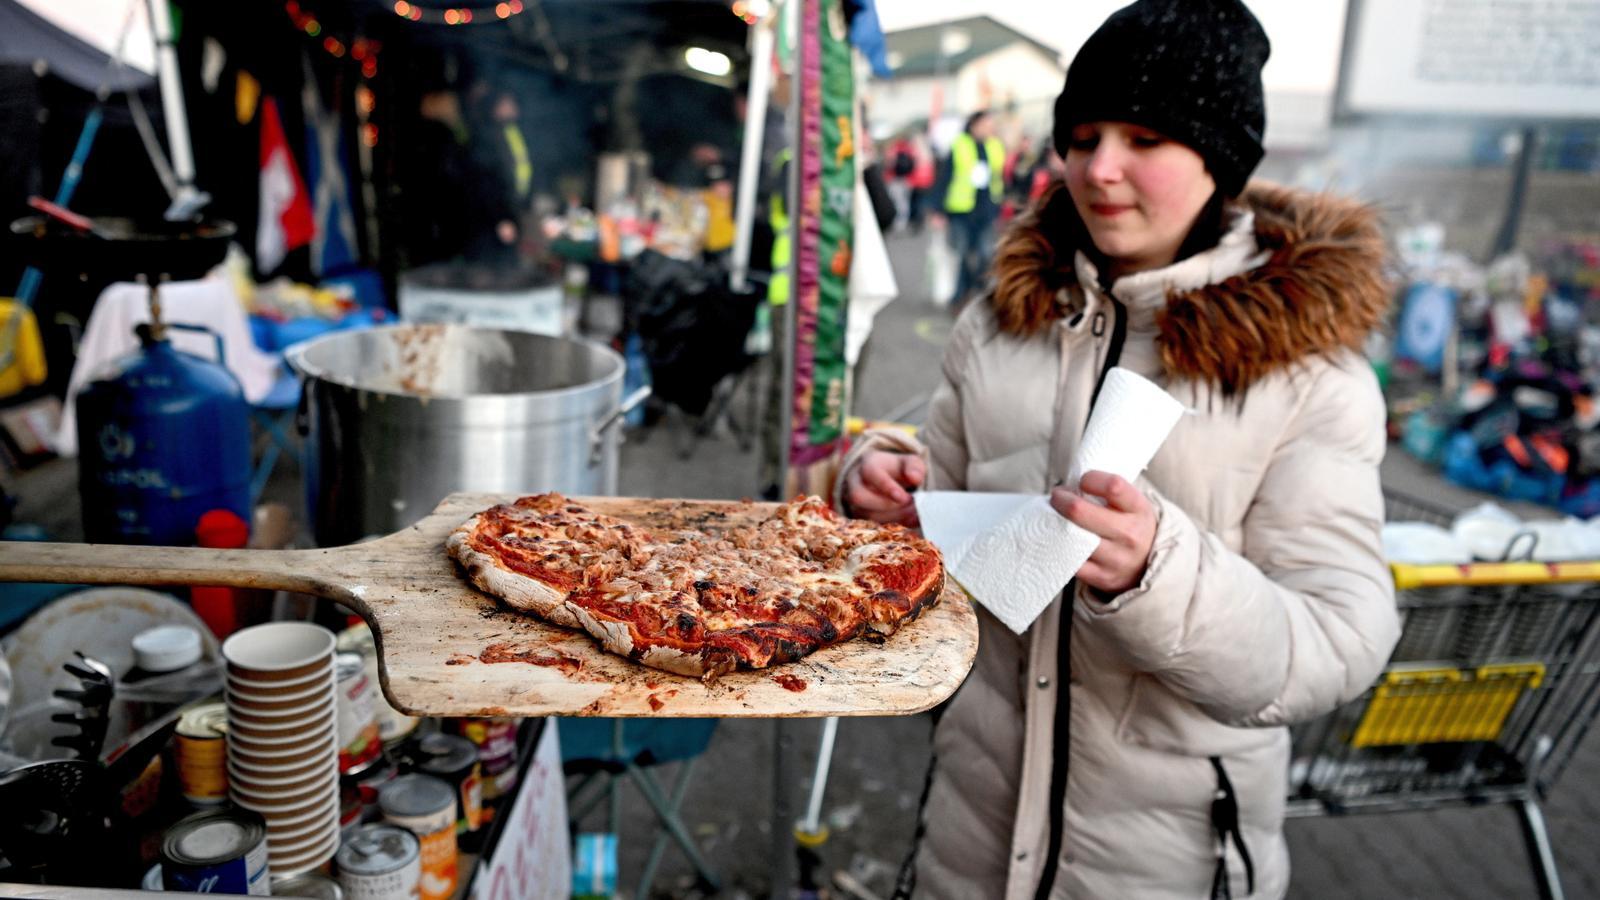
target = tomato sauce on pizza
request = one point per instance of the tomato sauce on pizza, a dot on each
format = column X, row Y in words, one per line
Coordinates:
column 702, row 601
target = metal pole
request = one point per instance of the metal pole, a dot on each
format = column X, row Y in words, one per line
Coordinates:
column 819, row 779
column 188, row 201
column 1540, row 853
column 1506, row 240
column 783, row 862
column 791, row 24
column 755, row 119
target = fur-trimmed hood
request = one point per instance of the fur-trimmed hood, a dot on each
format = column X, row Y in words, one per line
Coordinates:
column 1321, row 289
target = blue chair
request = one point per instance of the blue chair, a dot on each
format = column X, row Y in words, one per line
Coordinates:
column 603, row 750
column 274, row 415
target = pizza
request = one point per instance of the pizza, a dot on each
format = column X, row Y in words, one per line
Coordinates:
column 707, row 600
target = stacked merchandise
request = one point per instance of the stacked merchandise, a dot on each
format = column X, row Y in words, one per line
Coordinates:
column 1514, row 354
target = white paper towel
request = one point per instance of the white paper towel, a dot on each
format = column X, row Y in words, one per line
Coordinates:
column 1131, row 419
column 1013, row 552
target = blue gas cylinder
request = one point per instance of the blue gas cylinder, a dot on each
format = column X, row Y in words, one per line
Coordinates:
column 163, row 437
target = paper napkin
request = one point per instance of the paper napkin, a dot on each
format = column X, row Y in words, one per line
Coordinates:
column 1013, row 552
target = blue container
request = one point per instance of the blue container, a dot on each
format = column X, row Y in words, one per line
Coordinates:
column 163, row 437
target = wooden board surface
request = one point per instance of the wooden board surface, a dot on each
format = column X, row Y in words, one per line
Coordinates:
column 433, row 629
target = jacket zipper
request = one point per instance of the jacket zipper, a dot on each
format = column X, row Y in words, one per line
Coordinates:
column 1061, row 743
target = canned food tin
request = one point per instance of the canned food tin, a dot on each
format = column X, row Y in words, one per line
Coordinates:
column 380, row 862
column 370, row 782
column 310, row 885
column 454, row 759
column 356, row 693
column 426, row 807
column 350, row 806
column 497, row 755
column 201, row 753
column 219, row 851
column 394, row 726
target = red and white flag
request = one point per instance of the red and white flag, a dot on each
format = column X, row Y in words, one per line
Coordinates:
column 285, row 221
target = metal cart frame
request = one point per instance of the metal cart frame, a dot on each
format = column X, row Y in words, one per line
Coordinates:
column 1490, row 690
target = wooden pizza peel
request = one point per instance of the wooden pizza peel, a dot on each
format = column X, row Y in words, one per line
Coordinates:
column 439, row 639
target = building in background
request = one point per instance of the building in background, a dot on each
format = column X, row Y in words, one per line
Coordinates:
column 948, row 70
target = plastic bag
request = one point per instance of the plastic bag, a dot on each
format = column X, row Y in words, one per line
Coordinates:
column 940, row 276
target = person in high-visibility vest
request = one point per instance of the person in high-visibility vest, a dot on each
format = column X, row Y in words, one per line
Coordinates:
column 972, row 184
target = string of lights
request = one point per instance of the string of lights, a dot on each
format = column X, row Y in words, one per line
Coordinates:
column 460, row 15
column 362, row 50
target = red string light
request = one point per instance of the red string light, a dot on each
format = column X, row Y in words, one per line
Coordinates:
column 459, row 15
column 363, row 50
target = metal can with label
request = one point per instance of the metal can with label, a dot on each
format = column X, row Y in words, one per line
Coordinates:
column 426, row 807
column 380, row 862
column 201, row 753
column 394, row 726
column 497, row 756
column 356, row 698
column 219, row 851
column 454, row 759
column 308, row 885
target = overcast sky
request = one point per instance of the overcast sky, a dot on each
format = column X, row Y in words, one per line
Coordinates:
column 1305, row 34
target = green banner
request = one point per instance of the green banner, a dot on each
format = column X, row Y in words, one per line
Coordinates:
column 827, row 193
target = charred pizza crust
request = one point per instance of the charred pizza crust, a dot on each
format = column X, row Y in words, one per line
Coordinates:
column 702, row 602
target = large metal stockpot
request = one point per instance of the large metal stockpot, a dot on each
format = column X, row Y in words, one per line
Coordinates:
column 395, row 418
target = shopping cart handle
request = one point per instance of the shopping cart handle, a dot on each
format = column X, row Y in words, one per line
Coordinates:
column 1407, row 577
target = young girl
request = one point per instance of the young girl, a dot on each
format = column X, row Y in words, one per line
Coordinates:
column 1132, row 742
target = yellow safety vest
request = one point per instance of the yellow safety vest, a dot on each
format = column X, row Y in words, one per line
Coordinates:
column 778, row 218
column 962, row 196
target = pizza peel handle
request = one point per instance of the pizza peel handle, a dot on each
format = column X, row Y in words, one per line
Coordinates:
column 324, row 573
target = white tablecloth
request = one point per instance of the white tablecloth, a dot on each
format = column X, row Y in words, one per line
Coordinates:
column 210, row 302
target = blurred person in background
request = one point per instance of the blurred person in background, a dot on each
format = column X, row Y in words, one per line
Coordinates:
column 1133, row 740
column 504, row 169
column 899, row 162
column 437, row 178
column 924, row 174
column 1020, row 160
column 972, row 185
column 715, row 180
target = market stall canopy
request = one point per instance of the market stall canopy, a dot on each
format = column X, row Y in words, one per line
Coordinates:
column 596, row 40
column 75, row 39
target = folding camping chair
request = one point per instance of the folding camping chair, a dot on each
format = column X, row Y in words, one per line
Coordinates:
column 694, row 329
column 600, row 751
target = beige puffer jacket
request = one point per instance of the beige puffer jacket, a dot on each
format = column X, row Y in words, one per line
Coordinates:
column 1266, row 600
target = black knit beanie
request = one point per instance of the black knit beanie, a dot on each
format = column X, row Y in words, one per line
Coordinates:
column 1190, row 69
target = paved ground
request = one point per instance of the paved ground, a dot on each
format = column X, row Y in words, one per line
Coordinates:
column 878, row 763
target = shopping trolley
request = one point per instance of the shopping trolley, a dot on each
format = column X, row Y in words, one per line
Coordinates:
column 1492, row 686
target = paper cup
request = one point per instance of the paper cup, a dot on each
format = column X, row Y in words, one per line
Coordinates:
column 325, row 761
column 299, row 687
column 307, row 846
column 298, row 732
column 302, row 818
column 270, row 776
column 262, row 798
column 293, row 864
column 267, row 791
column 310, row 717
column 259, row 704
column 252, row 758
column 278, row 652
column 290, row 806
column 306, row 834
column 301, row 747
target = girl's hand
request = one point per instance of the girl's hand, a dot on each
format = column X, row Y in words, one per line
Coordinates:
column 1126, row 526
column 877, row 488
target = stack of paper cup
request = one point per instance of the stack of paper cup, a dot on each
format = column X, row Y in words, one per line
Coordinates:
column 283, row 757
